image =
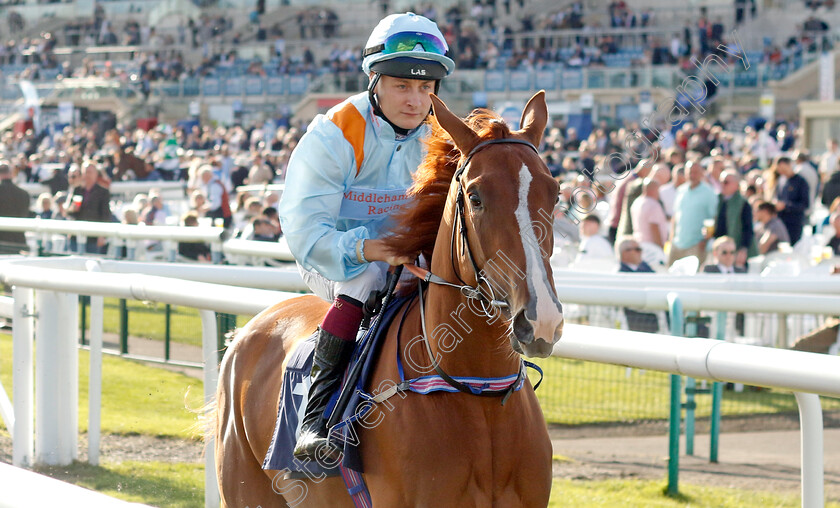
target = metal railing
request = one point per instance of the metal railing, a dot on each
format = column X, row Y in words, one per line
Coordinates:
column 124, row 240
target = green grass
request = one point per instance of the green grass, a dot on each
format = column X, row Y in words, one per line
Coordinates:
column 154, row 483
column 135, row 398
column 650, row 494
column 577, row 392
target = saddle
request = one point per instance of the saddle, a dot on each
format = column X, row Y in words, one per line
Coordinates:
column 342, row 408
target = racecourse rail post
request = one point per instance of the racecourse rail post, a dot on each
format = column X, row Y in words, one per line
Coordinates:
column 209, row 342
column 23, row 380
column 84, row 301
column 56, row 378
column 167, row 334
column 811, row 429
column 781, row 337
column 225, row 324
column 693, row 321
column 123, row 326
column 691, row 330
column 97, row 318
column 676, row 311
column 717, row 396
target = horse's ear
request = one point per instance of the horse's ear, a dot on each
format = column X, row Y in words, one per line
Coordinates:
column 534, row 118
column 464, row 137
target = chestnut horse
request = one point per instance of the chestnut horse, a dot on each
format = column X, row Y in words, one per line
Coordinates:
column 482, row 213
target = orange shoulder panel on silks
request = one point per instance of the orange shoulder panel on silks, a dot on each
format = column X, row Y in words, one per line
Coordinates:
column 352, row 124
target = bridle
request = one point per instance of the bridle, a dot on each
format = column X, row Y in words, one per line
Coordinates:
column 487, row 302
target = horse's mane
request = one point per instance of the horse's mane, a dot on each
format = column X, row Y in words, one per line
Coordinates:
column 416, row 225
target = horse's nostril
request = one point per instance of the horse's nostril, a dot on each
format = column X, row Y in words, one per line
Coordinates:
column 522, row 328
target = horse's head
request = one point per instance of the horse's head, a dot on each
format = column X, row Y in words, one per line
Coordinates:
column 500, row 211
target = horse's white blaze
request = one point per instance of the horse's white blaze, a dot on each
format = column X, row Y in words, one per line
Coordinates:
column 548, row 315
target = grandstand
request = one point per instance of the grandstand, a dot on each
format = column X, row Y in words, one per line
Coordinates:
column 241, row 61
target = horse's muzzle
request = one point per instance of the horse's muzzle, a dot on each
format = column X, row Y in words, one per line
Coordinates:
column 536, row 338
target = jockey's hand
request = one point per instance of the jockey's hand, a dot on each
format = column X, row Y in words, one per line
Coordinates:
column 375, row 250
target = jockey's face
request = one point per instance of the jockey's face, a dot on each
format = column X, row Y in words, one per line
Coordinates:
column 405, row 102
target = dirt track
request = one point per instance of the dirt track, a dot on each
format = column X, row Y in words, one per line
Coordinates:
column 766, row 460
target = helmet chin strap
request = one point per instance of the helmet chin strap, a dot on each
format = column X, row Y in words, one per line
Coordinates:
column 374, row 102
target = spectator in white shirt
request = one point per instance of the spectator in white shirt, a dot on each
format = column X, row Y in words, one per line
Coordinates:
column 592, row 243
column 156, row 211
column 676, row 47
column 716, row 167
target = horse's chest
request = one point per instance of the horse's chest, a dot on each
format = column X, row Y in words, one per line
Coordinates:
column 445, row 447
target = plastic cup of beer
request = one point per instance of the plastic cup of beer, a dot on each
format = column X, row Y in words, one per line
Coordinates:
column 709, row 227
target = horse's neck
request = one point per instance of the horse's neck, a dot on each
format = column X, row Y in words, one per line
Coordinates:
column 468, row 342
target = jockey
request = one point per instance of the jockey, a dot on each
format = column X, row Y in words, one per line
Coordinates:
column 347, row 175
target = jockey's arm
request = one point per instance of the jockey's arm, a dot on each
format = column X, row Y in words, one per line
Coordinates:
column 316, row 180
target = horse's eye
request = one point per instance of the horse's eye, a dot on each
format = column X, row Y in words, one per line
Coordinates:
column 557, row 199
column 475, row 200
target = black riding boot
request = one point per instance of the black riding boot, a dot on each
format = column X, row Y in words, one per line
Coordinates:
column 331, row 357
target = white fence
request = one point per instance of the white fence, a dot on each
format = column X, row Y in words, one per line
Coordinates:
column 43, row 232
column 171, row 189
column 805, row 373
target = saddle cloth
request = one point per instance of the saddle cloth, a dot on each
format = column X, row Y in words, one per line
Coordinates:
column 294, row 393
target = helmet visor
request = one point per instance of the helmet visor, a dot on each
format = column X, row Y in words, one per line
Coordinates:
column 410, row 68
column 409, row 41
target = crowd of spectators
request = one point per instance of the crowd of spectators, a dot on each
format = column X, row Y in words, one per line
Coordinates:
column 101, row 31
column 665, row 202
column 725, row 194
column 476, row 39
column 78, row 166
column 733, row 197
column 675, row 199
column 535, row 43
